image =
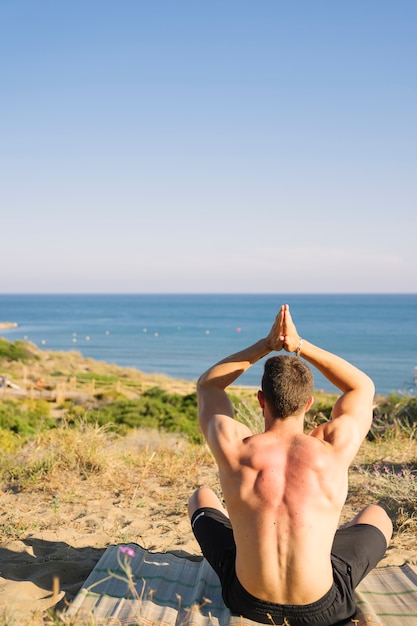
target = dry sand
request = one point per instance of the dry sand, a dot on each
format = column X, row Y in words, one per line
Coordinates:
column 62, row 537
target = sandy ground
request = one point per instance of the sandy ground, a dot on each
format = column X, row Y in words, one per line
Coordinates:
column 61, row 540
column 57, row 540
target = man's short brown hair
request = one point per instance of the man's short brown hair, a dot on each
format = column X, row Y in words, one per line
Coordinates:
column 287, row 384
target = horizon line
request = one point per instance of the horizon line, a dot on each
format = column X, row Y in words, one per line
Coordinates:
column 209, row 293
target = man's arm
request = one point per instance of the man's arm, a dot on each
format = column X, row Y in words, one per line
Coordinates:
column 214, row 407
column 352, row 413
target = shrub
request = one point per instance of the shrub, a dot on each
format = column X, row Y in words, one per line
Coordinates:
column 15, row 351
column 156, row 408
column 9, row 441
column 25, row 419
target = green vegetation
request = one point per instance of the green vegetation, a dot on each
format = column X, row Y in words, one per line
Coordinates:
column 89, row 376
column 156, row 408
column 176, row 412
column 15, row 351
column 25, row 418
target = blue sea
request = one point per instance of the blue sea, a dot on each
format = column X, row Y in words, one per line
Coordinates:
column 182, row 335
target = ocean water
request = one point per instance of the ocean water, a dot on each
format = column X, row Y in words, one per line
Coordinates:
column 182, row 335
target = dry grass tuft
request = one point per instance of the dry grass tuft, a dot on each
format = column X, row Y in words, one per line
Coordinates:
column 49, row 456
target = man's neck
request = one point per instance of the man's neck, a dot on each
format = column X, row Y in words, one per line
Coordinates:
column 291, row 425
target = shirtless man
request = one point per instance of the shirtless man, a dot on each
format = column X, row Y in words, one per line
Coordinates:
column 277, row 550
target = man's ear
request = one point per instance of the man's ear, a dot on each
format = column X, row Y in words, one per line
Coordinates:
column 309, row 403
column 261, row 398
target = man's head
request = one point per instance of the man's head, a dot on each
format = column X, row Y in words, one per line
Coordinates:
column 287, row 385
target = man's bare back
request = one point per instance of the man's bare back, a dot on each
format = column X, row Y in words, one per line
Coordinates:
column 284, row 489
column 284, row 501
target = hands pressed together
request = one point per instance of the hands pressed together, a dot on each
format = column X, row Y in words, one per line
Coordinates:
column 283, row 334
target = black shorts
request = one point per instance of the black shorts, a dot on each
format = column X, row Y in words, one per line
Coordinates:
column 355, row 552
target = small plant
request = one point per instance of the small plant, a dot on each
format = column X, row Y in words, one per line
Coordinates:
column 55, row 503
column 249, row 416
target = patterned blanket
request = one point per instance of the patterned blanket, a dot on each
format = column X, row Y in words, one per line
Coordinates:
column 130, row 585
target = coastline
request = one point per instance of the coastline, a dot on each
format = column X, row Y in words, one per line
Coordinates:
column 66, row 373
column 180, row 335
column 4, row 325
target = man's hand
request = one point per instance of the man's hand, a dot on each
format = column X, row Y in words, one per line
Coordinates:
column 275, row 336
column 288, row 333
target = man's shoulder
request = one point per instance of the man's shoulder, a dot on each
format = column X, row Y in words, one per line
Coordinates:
column 342, row 436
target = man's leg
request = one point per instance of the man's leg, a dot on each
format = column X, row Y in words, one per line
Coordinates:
column 375, row 516
column 204, row 497
column 360, row 544
column 213, row 531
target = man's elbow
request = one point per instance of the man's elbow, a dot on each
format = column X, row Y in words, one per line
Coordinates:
column 200, row 382
column 208, row 382
column 201, row 388
column 369, row 385
column 203, row 394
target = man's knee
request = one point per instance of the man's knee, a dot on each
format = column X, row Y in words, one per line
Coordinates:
column 197, row 499
column 376, row 516
column 204, row 497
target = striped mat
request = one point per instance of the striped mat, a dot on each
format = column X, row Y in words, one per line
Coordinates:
column 131, row 585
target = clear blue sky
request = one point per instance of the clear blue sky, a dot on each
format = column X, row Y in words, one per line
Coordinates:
column 208, row 146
